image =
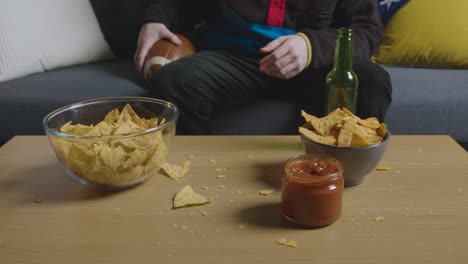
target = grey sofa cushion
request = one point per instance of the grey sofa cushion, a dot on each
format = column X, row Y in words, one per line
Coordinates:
column 25, row 101
column 429, row 101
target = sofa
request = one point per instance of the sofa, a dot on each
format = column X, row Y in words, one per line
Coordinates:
column 426, row 101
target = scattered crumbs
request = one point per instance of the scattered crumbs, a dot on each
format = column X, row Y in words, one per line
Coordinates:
column 220, row 176
column 459, row 189
column 158, row 243
column 204, row 187
column 204, row 213
column 420, row 150
column 191, row 157
column 38, row 201
column 219, row 170
column 239, row 192
column 221, row 187
column 192, row 213
column 265, row 192
column 218, row 230
column 212, row 161
column 286, row 242
column 383, row 168
column 250, row 156
column 241, row 226
column 174, row 225
column 184, row 227
column 224, row 169
column 379, row 219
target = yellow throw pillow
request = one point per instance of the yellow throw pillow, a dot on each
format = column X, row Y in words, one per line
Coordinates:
column 427, row 33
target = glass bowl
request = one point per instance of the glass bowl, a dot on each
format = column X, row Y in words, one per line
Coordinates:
column 112, row 161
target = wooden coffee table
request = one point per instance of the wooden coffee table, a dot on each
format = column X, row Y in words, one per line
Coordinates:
column 46, row 217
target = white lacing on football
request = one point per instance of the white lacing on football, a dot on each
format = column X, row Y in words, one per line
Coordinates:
column 158, row 60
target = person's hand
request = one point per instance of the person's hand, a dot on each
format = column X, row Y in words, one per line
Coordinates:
column 151, row 33
column 287, row 58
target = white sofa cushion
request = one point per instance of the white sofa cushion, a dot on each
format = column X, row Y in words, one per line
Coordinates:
column 40, row 35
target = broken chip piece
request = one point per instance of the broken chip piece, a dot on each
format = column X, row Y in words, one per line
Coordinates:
column 286, row 242
column 265, row 192
column 186, row 197
column 379, row 219
column 383, row 168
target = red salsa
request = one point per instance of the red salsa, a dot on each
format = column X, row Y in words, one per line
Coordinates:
column 312, row 190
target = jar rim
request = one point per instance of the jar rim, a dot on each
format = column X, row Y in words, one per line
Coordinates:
column 296, row 176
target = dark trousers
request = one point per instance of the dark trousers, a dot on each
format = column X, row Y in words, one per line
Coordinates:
column 203, row 84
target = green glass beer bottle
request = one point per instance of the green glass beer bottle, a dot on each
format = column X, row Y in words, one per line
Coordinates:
column 341, row 86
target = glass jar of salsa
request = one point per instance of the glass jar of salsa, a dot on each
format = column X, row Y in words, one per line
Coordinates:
column 312, row 190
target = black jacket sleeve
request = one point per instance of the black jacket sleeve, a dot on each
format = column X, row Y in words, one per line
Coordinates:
column 359, row 15
column 177, row 15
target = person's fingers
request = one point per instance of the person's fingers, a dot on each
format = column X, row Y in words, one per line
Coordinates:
column 273, row 45
column 171, row 36
column 275, row 56
column 141, row 53
column 278, row 64
column 289, row 70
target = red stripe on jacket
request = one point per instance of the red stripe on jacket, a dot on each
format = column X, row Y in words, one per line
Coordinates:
column 276, row 13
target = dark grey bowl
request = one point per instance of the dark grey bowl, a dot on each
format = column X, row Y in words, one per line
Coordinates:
column 357, row 162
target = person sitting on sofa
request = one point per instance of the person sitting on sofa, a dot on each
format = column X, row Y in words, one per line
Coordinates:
column 251, row 50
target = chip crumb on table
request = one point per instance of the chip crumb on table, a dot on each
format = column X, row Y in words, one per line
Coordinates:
column 38, row 201
column 204, row 213
column 212, row 161
column 286, row 242
column 220, row 176
column 221, row 186
column 383, row 168
column 265, row 192
column 205, row 187
column 379, row 219
column 241, row 226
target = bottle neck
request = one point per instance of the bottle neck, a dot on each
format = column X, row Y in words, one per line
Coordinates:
column 344, row 51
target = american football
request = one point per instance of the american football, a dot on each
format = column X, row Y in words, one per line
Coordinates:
column 164, row 52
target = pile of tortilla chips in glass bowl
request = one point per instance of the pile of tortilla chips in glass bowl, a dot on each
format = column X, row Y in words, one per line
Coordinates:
column 359, row 144
column 113, row 142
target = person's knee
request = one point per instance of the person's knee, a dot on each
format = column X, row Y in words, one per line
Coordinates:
column 375, row 89
column 168, row 81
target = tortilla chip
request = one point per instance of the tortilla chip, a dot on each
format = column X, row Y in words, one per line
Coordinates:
column 330, row 140
column 177, row 171
column 382, row 130
column 186, row 197
column 346, row 134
